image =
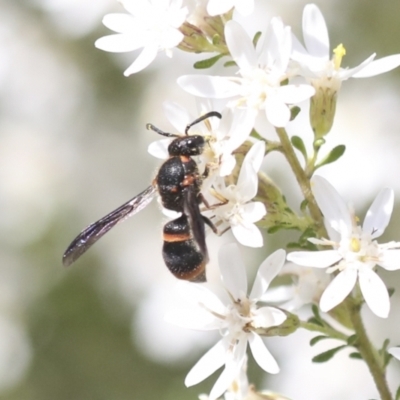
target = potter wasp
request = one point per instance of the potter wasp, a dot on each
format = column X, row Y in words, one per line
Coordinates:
column 178, row 182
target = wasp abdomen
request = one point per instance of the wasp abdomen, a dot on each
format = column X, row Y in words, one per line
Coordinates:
column 180, row 252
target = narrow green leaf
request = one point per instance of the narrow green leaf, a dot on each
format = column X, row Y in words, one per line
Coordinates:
column 333, row 156
column 356, row 356
column 255, row 38
column 391, row 291
column 294, row 112
column 230, row 64
column 315, row 311
column 351, row 340
column 207, row 63
column 298, row 143
column 315, row 321
column 327, row 355
column 317, row 339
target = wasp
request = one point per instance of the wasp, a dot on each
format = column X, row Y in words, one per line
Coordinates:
column 178, row 183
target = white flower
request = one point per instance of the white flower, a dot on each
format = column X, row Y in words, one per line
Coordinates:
column 223, row 137
column 217, row 7
column 395, row 352
column 239, row 211
column 153, row 26
column 314, row 59
column 355, row 253
column 235, row 320
column 262, row 71
column 307, row 286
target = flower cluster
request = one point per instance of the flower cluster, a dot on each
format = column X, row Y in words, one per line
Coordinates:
column 271, row 77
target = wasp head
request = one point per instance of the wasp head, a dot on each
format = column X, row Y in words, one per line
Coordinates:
column 187, row 146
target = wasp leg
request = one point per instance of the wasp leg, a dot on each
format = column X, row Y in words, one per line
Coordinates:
column 208, row 205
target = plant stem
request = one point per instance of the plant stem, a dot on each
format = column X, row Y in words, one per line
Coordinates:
column 367, row 351
column 363, row 344
column 302, row 180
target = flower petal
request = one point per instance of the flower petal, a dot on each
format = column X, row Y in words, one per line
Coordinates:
column 266, row 317
column 247, row 235
column 233, row 270
column 380, row 66
column 147, row 55
column 395, row 352
column 268, row 270
column 159, row 148
column 253, row 211
column 195, row 307
column 262, row 355
column 277, row 112
column 338, row 289
column 390, row 259
column 378, row 215
column 234, row 363
column 292, row 94
column 177, row 115
column 316, row 259
column 119, row 43
column 315, row 32
column 255, row 155
column 375, row 292
column 332, row 205
column 207, row 365
column 119, row 22
column 216, row 87
column 240, row 46
column 218, row 7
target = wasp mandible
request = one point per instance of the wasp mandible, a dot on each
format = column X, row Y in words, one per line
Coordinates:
column 178, row 183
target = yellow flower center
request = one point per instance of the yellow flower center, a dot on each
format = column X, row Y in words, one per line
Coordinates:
column 355, row 245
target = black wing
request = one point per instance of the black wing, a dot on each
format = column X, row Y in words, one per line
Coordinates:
column 196, row 221
column 95, row 231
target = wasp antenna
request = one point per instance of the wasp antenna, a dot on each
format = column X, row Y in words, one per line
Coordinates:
column 202, row 118
column 151, row 127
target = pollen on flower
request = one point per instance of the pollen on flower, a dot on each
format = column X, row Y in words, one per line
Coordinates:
column 339, row 52
column 355, row 245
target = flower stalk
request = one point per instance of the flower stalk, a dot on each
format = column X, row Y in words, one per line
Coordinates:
column 367, row 350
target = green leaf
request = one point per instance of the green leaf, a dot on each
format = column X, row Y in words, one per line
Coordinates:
column 356, row 356
column 230, row 64
column 317, row 339
column 255, row 38
column 294, row 112
column 315, row 311
column 207, row 63
column 333, row 156
column 315, row 321
column 327, row 355
column 298, row 143
column 391, row 291
column 351, row 340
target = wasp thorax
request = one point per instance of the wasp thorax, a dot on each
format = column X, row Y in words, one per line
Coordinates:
column 187, row 146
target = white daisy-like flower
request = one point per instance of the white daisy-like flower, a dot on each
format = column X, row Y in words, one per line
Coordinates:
column 236, row 319
column 218, row 7
column 261, row 70
column 314, row 60
column 395, row 352
column 153, row 26
column 239, row 211
column 355, row 252
column 223, row 137
column 306, row 287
